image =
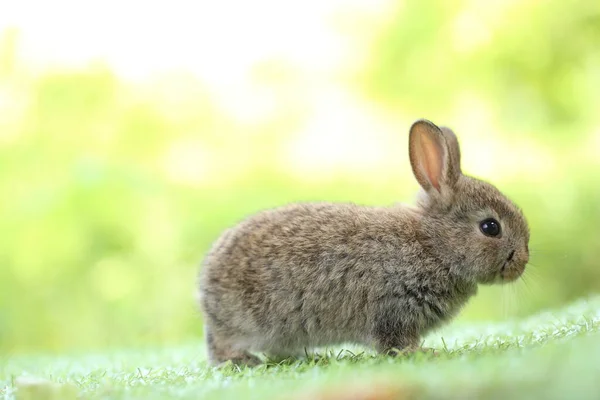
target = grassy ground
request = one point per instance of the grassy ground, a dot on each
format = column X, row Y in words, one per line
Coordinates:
column 552, row 355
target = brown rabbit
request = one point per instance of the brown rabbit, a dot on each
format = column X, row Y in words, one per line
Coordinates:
column 310, row 275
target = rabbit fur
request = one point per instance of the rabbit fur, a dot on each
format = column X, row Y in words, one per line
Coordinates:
column 319, row 274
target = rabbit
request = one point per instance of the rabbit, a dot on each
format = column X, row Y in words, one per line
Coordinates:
column 304, row 276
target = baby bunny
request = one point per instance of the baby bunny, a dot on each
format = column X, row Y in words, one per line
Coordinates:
column 310, row 275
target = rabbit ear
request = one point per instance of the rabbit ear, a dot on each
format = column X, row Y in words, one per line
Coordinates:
column 454, row 170
column 434, row 155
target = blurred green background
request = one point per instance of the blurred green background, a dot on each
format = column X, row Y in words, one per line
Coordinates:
column 113, row 185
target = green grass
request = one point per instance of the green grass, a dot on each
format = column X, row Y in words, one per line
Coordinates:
column 549, row 355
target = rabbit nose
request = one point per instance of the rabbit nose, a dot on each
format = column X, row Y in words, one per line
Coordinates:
column 510, row 256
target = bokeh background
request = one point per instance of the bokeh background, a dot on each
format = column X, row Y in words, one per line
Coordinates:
column 132, row 134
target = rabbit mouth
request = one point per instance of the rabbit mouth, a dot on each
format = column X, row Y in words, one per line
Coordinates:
column 511, row 271
column 503, row 268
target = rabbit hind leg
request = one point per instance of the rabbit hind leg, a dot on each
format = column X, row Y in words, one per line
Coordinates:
column 221, row 350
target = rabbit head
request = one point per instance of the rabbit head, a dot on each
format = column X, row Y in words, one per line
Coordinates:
column 464, row 220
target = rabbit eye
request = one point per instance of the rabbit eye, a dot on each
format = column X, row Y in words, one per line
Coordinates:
column 490, row 227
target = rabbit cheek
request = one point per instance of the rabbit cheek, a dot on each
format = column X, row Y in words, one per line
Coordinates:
column 488, row 277
column 486, row 267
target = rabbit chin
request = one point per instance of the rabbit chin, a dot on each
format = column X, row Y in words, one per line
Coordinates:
column 511, row 273
column 508, row 274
